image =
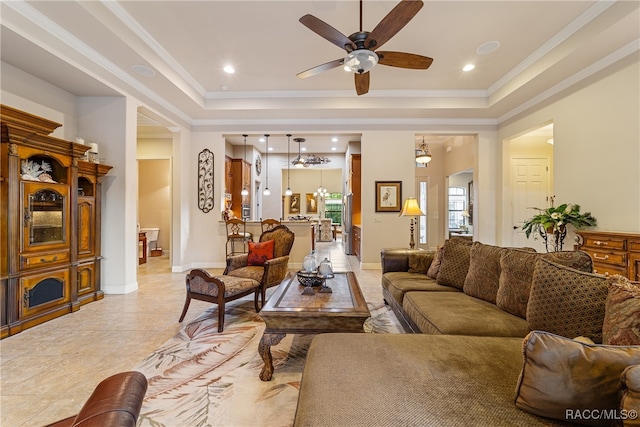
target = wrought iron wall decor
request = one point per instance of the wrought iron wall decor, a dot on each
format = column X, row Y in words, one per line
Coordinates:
column 205, row 180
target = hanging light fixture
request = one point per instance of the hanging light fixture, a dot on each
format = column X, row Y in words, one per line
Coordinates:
column 288, row 192
column 266, row 191
column 308, row 160
column 423, row 155
column 244, row 191
column 322, row 192
column 299, row 161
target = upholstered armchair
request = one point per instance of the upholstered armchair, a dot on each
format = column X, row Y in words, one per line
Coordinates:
column 274, row 269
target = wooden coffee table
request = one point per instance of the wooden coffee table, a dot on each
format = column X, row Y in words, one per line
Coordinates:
column 290, row 312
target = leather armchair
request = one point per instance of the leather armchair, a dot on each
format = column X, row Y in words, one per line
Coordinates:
column 115, row 402
column 274, row 270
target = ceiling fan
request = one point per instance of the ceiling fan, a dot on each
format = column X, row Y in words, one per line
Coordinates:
column 360, row 47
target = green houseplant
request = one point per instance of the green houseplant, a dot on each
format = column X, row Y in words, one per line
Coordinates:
column 551, row 223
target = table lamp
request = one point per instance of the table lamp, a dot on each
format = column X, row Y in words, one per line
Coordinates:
column 411, row 208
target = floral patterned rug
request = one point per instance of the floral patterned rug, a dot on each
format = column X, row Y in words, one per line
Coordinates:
column 202, row 377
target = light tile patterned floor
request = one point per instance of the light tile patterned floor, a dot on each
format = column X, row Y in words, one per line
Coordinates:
column 47, row 372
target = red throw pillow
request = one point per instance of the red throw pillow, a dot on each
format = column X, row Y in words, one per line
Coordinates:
column 260, row 252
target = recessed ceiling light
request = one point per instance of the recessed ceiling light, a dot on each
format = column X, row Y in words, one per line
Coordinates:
column 143, row 70
column 270, row 148
column 229, row 69
column 261, row 139
column 488, row 47
column 333, row 148
column 468, row 67
column 303, row 149
column 334, row 139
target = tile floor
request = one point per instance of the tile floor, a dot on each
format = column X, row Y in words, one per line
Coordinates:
column 47, row 372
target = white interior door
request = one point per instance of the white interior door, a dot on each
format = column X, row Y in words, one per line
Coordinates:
column 530, row 188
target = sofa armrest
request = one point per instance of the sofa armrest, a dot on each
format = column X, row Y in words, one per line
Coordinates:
column 396, row 259
column 116, row 401
column 236, row 261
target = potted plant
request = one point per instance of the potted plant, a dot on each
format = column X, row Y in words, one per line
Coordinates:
column 551, row 223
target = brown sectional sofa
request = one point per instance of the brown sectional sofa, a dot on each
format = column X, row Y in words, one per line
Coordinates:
column 465, row 364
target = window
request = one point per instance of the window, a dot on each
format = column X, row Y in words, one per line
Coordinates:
column 422, row 221
column 333, row 207
column 457, row 206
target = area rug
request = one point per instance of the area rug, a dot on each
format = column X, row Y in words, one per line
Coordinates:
column 202, row 377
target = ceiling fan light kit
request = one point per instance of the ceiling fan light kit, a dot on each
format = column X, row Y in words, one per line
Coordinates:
column 360, row 46
column 360, row 61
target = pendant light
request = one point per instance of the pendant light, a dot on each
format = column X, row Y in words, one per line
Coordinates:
column 244, row 191
column 288, row 192
column 266, row 191
column 423, row 156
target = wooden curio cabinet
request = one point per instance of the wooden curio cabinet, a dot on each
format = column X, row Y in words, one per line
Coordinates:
column 49, row 225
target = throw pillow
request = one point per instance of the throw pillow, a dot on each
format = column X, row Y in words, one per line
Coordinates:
column 630, row 396
column 435, row 264
column 455, row 262
column 565, row 379
column 566, row 301
column 622, row 313
column 483, row 278
column 420, row 262
column 516, row 275
column 260, row 252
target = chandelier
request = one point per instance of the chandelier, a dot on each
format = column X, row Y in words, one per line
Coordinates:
column 423, row 155
column 307, row 160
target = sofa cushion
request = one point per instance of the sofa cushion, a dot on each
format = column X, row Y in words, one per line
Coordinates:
column 516, row 275
column 397, row 283
column 435, row 264
column 630, row 395
column 563, row 379
column 566, row 301
column 411, row 380
column 455, row 313
column 455, row 262
column 622, row 313
column 420, row 262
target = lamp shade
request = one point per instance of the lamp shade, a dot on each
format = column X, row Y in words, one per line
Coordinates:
column 411, row 208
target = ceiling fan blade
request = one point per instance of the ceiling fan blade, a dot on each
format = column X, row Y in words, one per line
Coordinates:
column 362, row 83
column 392, row 23
column 326, row 31
column 404, row 60
column 320, row 68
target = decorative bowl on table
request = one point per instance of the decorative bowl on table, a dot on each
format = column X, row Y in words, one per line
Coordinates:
column 309, row 278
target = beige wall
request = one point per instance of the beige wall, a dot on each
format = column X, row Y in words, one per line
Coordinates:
column 596, row 149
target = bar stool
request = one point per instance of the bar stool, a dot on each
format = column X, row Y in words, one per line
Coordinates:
column 269, row 224
column 237, row 233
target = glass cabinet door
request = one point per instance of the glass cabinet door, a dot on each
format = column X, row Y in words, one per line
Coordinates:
column 45, row 214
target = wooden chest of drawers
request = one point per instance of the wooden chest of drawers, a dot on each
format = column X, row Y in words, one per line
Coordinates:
column 613, row 252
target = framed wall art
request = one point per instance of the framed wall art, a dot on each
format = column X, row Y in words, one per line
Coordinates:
column 205, row 180
column 294, row 203
column 388, row 196
column 312, row 203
